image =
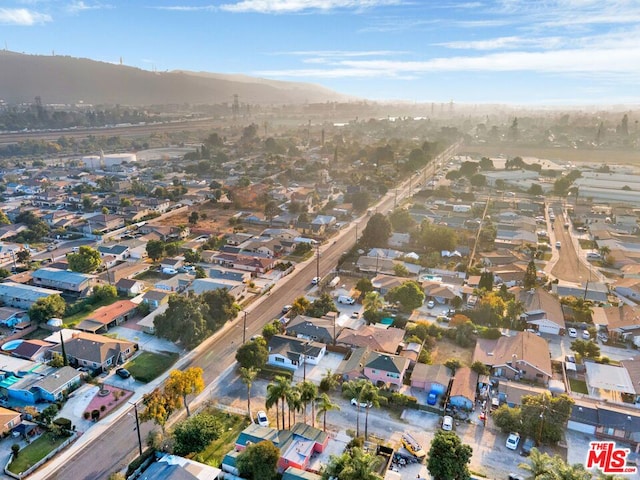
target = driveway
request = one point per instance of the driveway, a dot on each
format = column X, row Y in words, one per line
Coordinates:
column 144, row 340
column 331, row 361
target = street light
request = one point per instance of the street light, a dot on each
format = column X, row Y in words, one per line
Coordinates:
column 244, row 328
column 135, row 409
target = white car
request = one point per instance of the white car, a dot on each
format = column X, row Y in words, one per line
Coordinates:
column 315, row 280
column 513, row 440
column 447, row 423
column 262, row 419
column 586, row 335
column 354, row 402
column 431, row 304
column 573, row 333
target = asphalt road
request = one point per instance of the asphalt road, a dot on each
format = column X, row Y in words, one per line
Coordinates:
column 217, row 353
column 569, row 267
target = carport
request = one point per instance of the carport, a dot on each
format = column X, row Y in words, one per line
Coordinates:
column 608, row 381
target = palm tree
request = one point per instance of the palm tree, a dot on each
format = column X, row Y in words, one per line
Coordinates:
column 325, row 405
column 540, row 465
column 294, row 403
column 308, row 392
column 273, row 398
column 354, row 389
column 362, row 466
column 329, row 381
column 480, row 368
column 373, row 301
column 248, row 375
column 276, row 394
column 604, row 251
column 563, row 471
column 371, row 396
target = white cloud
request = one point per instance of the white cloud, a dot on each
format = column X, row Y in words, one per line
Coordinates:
column 294, row 6
column 505, row 43
column 342, row 53
column 22, row 17
column 187, row 8
column 78, row 6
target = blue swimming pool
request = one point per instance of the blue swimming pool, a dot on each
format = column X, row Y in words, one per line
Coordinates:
column 11, row 345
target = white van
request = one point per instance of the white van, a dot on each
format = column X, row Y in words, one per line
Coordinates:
column 169, row 271
column 346, row 300
column 447, row 423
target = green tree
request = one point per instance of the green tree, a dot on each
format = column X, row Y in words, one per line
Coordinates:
column 321, row 306
column 399, row 270
column 371, row 396
column 453, row 364
column 436, row 238
column 155, row 249
column 409, row 295
column 308, row 393
column 373, row 301
column 48, row 414
column 480, row 369
column 271, row 210
column 324, row 405
column 182, row 383
column 104, row 293
column 4, row 220
column 253, row 354
column 486, row 281
column 329, row 381
column 183, row 321
column 360, row 200
column 271, row 329
column 299, row 306
column 585, row 348
column 277, row 392
column 545, row 417
column 192, row 257
column 508, row 419
column 401, row 220
column 355, row 389
column 539, row 465
column 535, row 189
column 248, row 375
column 86, row 260
column 353, row 464
column 530, row 276
column 449, row 457
column 194, row 217
column 364, row 285
column 195, row 433
column 259, row 461
column 24, row 256
column 46, row 308
column 377, row 232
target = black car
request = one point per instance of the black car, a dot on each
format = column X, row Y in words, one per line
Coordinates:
column 527, row 445
column 123, row 373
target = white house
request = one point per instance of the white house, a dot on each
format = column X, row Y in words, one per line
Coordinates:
column 292, row 352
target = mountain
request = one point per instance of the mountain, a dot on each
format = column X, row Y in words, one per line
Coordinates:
column 66, row 80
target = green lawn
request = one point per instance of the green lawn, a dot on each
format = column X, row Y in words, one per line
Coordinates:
column 34, row 452
column 76, row 318
column 578, row 386
column 232, row 425
column 149, row 365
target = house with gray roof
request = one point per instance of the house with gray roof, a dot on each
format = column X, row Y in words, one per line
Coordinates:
column 119, row 251
column 387, row 369
column 290, row 352
column 65, row 280
column 96, row 352
column 50, row 387
column 323, row 330
column 23, row 296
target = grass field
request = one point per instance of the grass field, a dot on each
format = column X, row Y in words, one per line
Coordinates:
column 149, row 365
column 446, row 349
column 34, row 452
column 578, row 386
column 232, row 425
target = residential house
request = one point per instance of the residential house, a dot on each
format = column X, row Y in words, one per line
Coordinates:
column 383, row 283
column 65, row 280
column 96, row 352
column 155, row 298
column 23, row 296
column 165, row 233
column 119, row 251
column 172, row 467
column 499, row 257
column 376, row 265
column 33, row 387
column 522, row 356
column 103, row 223
column 606, row 422
column 511, row 393
column 628, row 288
column 8, row 231
column 632, row 366
column 221, row 273
column 618, row 322
column 384, row 340
column 293, row 473
column 9, row 419
column 175, row 283
column 9, row 317
column 104, row 318
column 235, row 239
column 33, row 349
column 174, row 263
column 290, row 352
column 464, row 388
column 431, row 378
column 610, row 379
column 323, row 330
column 440, row 294
column 129, row 287
column 297, row 445
column 202, row 285
column 385, row 369
column 352, row 366
column 542, row 310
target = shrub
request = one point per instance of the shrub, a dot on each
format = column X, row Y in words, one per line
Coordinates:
column 95, row 415
column 103, row 408
column 86, row 415
column 15, row 449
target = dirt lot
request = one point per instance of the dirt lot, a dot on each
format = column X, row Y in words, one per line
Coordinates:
column 446, row 350
column 562, row 154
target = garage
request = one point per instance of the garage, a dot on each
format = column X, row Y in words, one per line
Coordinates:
column 584, row 419
column 546, row 326
column 581, row 427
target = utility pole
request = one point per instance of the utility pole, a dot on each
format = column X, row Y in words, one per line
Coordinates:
column 318, row 261
column 244, row 328
column 135, row 410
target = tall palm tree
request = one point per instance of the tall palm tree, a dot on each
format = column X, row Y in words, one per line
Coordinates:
column 371, row 396
column 354, row 389
column 284, row 386
column 294, row 402
column 273, row 398
column 325, row 405
column 540, row 466
column 372, row 301
column 248, row 375
column 308, row 393
column 564, row 471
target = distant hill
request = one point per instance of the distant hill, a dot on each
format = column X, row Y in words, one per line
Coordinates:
column 59, row 79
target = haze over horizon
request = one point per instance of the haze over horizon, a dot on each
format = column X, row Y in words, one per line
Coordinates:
column 557, row 52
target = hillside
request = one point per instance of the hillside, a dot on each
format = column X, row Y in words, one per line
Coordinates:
column 58, row 79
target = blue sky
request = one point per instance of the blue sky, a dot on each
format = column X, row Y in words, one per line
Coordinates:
column 529, row 52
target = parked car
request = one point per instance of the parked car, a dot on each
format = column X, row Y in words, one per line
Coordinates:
column 355, row 315
column 447, row 423
column 558, row 244
column 432, row 398
column 123, row 373
column 431, row 304
column 286, row 308
column 527, row 445
column 315, row 280
column 573, row 333
column 570, row 359
column 586, row 335
column 354, row 402
column 513, row 440
column 262, row 419
column 346, row 300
